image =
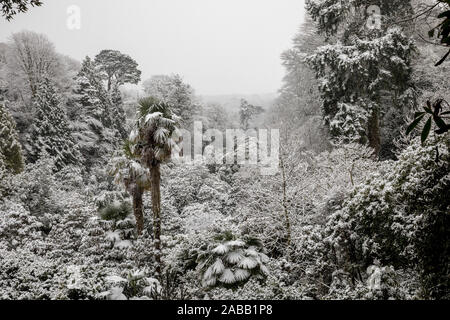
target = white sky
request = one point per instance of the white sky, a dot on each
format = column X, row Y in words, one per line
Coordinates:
column 218, row 46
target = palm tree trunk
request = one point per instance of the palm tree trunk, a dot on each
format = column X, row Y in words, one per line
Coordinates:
column 138, row 209
column 156, row 207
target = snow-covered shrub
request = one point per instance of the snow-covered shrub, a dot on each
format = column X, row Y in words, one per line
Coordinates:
column 71, row 178
column 83, row 282
column 36, row 187
column 377, row 283
column 187, row 185
column 349, row 122
column 382, row 283
column 230, row 262
column 399, row 217
column 18, row 227
column 133, row 285
column 199, row 217
column 277, row 286
column 252, row 290
column 29, row 276
column 24, row 275
column 101, row 189
column 116, row 211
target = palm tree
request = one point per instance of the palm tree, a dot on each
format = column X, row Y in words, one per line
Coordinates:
column 127, row 170
column 152, row 141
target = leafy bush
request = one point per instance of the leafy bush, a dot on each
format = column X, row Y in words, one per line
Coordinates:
column 399, row 217
column 116, row 211
column 230, row 262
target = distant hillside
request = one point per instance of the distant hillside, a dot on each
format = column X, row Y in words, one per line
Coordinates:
column 232, row 102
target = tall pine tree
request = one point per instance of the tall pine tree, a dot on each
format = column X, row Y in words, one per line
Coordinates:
column 50, row 131
column 10, row 148
column 117, row 111
column 94, row 101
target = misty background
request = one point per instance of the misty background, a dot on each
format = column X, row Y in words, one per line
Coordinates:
column 216, row 46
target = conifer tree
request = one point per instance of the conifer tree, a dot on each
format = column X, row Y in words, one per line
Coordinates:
column 365, row 71
column 94, row 101
column 117, row 112
column 89, row 93
column 50, row 131
column 10, row 148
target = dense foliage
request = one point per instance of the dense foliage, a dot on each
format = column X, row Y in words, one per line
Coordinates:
column 96, row 201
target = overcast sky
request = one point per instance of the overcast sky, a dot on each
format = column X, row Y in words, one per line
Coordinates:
column 218, row 46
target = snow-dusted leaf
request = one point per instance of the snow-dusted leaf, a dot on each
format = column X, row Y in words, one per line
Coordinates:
column 210, row 282
column 264, row 269
column 235, row 243
column 221, row 249
column 241, row 274
column 227, row 277
column 161, row 135
column 208, row 273
column 248, row 263
column 152, row 116
column 264, row 258
column 251, row 252
column 218, row 266
column 234, row 256
column 133, row 135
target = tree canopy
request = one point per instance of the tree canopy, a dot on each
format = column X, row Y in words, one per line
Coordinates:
column 10, row 8
column 118, row 68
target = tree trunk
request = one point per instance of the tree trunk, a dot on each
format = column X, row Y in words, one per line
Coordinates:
column 156, row 207
column 138, row 209
column 374, row 133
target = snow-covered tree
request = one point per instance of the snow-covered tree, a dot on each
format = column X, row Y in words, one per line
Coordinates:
column 117, row 68
column 174, row 91
column 50, row 131
column 443, row 28
column 400, row 217
column 216, row 117
column 127, row 170
column 298, row 98
column 30, row 58
column 90, row 95
column 153, row 144
column 10, row 148
column 91, row 99
column 117, row 110
column 365, row 75
column 296, row 110
column 247, row 112
column 10, row 8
